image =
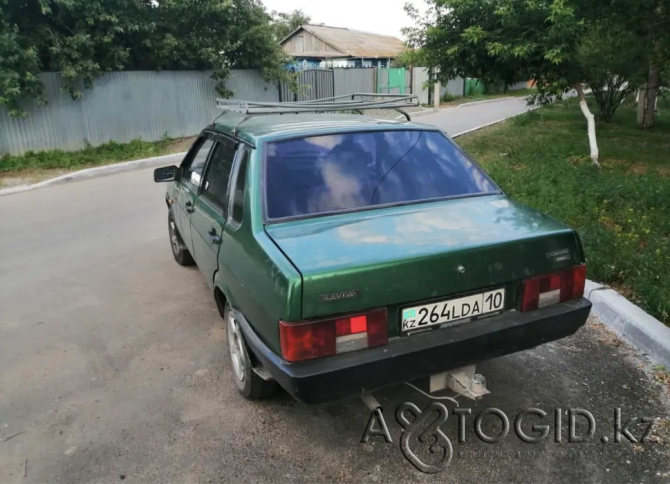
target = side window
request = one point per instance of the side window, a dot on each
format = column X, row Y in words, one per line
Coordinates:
column 218, row 173
column 238, row 196
column 193, row 167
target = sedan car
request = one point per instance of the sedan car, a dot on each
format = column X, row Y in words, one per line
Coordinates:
column 348, row 253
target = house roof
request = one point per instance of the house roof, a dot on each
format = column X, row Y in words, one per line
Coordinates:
column 353, row 43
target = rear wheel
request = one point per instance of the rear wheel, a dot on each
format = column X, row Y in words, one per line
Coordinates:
column 248, row 383
column 179, row 250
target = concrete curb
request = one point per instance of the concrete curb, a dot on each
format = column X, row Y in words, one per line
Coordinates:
column 634, row 325
column 98, row 172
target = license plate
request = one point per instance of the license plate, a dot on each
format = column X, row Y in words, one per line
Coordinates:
column 443, row 312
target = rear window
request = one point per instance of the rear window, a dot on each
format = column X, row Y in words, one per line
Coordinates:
column 322, row 174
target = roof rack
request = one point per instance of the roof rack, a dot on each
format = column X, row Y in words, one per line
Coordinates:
column 358, row 102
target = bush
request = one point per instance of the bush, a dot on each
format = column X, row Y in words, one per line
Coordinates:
column 446, row 97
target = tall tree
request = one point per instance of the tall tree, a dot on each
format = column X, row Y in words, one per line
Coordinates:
column 285, row 23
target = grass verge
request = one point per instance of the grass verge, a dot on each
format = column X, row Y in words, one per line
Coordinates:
column 622, row 211
column 32, row 167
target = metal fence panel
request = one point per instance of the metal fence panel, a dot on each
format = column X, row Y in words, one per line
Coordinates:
column 420, row 77
column 393, row 80
column 250, row 85
column 351, row 81
column 455, row 87
column 315, row 84
column 123, row 106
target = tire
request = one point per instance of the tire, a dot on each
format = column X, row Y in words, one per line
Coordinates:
column 248, row 383
column 179, row 250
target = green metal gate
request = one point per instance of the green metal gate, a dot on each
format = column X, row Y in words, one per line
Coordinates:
column 391, row 80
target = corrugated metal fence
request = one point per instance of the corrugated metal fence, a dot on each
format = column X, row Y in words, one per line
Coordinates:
column 312, row 84
column 350, row 81
column 455, row 87
column 123, row 106
column 150, row 105
column 420, row 77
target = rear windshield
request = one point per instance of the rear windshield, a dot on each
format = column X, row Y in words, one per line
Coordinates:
column 322, row 174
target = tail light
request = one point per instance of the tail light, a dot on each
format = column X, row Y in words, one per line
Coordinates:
column 308, row 340
column 542, row 291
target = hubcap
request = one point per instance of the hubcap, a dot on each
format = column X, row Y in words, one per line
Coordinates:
column 235, row 341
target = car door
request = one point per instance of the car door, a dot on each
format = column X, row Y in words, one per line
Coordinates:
column 192, row 169
column 211, row 207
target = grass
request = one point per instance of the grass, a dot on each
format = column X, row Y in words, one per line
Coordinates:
column 34, row 166
column 622, row 211
column 449, row 100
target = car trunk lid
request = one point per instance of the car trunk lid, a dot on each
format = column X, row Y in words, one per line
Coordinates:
column 397, row 256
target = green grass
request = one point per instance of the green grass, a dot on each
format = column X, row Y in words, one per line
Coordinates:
column 111, row 152
column 622, row 211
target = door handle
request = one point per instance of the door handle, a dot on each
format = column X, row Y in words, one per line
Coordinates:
column 189, row 207
column 213, row 238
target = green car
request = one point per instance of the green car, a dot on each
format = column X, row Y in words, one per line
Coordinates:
column 348, row 253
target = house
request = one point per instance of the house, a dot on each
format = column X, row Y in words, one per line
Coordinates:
column 323, row 46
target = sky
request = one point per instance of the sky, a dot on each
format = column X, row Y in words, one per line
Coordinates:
column 385, row 17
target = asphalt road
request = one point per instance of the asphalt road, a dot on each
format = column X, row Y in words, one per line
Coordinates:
column 465, row 117
column 113, row 366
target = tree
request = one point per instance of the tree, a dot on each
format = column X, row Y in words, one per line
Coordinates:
column 409, row 58
column 78, row 38
column 652, row 21
column 502, row 40
column 285, row 23
column 614, row 63
column 560, row 44
column 217, row 35
column 82, row 39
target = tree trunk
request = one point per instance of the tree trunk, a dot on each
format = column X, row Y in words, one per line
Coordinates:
column 591, row 121
column 646, row 108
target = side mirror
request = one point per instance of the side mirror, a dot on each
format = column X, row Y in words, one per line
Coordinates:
column 165, row 174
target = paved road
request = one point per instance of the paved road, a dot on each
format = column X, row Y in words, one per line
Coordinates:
column 113, row 366
column 465, row 117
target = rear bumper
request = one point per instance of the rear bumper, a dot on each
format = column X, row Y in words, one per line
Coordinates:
column 413, row 357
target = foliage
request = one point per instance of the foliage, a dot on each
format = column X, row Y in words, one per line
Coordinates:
column 557, row 43
column 409, row 58
column 111, row 152
column 447, row 98
column 619, row 210
column 614, row 63
column 82, row 39
column 285, row 23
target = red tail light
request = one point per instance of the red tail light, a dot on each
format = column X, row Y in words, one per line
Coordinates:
column 308, row 340
column 542, row 291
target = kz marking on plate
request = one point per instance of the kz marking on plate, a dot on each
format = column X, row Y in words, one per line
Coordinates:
column 464, row 308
